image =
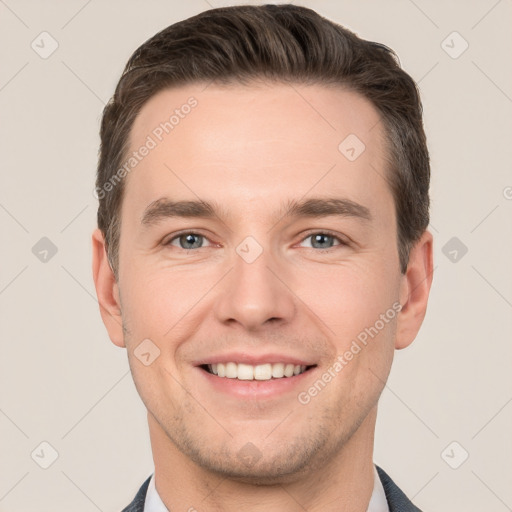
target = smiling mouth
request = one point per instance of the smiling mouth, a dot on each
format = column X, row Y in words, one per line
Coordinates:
column 268, row 371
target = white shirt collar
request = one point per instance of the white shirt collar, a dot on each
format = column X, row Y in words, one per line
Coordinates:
column 378, row 502
column 153, row 501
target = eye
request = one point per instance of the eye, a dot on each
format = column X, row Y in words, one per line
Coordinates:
column 188, row 241
column 322, row 240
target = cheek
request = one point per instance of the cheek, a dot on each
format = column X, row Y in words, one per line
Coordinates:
column 349, row 298
column 158, row 302
column 359, row 306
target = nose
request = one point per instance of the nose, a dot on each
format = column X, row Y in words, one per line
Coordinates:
column 253, row 296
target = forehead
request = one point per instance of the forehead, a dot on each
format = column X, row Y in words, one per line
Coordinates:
column 243, row 142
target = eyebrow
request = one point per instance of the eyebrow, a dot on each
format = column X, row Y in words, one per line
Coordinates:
column 164, row 208
column 320, row 207
column 316, row 207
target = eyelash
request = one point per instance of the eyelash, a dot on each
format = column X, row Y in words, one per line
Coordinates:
column 341, row 241
column 180, row 234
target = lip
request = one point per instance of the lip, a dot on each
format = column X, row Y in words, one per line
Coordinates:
column 255, row 389
column 254, row 359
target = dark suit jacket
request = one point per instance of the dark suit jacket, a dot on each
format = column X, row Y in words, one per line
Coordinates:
column 397, row 500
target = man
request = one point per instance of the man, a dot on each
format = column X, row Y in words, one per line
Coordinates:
column 262, row 251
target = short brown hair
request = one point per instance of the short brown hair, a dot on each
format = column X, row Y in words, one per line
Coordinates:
column 284, row 43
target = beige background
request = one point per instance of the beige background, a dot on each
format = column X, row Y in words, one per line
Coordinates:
column 64, row 383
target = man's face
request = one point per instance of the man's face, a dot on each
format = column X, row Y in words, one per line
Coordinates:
column 295, row 259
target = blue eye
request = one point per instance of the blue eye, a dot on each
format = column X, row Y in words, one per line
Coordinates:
column 188, row 241
column 322, row 240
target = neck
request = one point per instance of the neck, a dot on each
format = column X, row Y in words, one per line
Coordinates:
column 343, row 482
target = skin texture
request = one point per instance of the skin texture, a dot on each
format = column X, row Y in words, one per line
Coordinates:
column 249, row 149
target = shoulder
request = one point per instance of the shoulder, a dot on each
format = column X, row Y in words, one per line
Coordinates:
column 397, row 500
column 137, row 505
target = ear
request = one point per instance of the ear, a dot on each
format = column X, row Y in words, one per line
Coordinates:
column 414, row 291
column 107, row 290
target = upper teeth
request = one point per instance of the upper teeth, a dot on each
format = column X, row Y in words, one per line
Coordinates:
column 259, row 372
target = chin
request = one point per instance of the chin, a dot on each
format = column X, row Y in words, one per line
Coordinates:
column 270, row 470
column 277, row 462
